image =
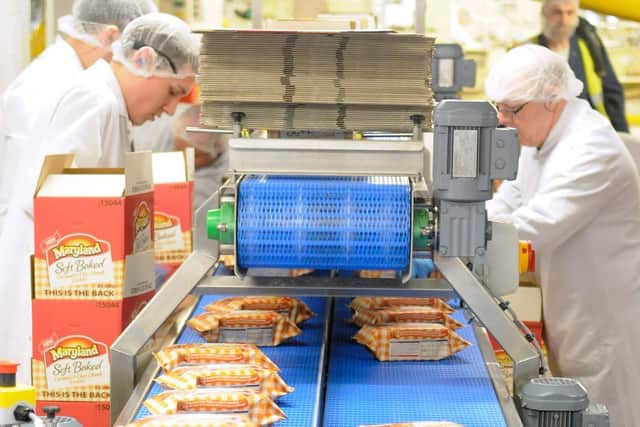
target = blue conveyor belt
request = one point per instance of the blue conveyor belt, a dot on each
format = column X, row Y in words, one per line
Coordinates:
column 298, row 359
column 325, row 223
column 361, row 390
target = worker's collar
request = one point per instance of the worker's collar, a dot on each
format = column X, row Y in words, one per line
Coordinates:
column 558, row 131
column 68, row 51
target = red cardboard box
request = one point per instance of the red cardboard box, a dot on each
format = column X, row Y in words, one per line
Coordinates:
column 93, row 230
column 93, row 271
column 173, row 211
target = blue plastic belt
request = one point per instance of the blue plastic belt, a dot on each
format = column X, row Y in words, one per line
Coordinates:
column 346, row 223
column 361, row 390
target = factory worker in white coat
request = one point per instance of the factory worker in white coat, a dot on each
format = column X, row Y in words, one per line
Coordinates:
column 85, row 36
column 577, row 198
column 154, row 65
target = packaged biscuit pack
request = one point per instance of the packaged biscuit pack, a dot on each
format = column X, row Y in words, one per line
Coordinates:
column 257, row 406
column 413, row 314
column 264, row 328
column 377, row 303
column 411, row 341
column 177, row 355
column 418, row 424
column 296, row 310
column 195, row 420
column 264, row 380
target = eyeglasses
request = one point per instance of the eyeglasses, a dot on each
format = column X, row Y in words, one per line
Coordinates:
column 509, row 112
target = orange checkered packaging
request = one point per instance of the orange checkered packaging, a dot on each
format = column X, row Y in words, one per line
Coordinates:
column 410, row 341
column 418, row 424
column 264, row 380
column 195, row 420
column 258, row 406
column 376, row 303
column 178, row 355
column 263, row 328
column 296, row 310
column 409, row 314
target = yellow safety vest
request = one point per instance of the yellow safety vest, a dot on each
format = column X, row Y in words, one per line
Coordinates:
column 593, row 80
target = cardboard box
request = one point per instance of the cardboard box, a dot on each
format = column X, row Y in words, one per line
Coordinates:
column 173, row 206
column 71, row 362
column 93, row 230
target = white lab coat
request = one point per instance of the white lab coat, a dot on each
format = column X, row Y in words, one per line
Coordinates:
column 57, row 67
column 578, row 200
column 90, row 120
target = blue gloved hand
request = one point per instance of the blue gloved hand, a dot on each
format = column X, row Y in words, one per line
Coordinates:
column 422, row 268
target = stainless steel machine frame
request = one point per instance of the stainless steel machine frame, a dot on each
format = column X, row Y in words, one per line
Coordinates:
column 159, row 323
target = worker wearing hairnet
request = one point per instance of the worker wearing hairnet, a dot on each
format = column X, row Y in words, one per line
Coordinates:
column 154, row 65
column 85, row 36
column 577, row 198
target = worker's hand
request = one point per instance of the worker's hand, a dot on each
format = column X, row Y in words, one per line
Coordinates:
column 202, row 158
column 421, row 268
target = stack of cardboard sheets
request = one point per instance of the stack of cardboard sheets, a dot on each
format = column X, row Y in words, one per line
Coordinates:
column 316, row 80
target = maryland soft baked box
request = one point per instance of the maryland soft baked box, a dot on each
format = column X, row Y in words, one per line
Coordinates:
column 93, row 230
column 93, row 271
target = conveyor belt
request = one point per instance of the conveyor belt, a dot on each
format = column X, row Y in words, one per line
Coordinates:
column 361, row 390
column 299, row 360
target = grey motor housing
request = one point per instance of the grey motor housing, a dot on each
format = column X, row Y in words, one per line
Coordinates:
column 560, row 402
column 450, row 72
column 469, row 152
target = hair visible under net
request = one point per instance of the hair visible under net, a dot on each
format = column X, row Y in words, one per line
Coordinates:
column 176, row 47
column 531, row 73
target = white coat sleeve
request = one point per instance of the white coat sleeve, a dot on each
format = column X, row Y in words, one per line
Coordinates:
column 580, row 187
column 504, row 202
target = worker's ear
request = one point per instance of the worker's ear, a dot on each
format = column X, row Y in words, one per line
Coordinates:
column 145, row 58
column 109, row 35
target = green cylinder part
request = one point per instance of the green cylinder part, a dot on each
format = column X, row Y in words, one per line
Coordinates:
column 221, row 223
column 421, row 238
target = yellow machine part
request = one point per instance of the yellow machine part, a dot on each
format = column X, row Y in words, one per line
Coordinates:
column 625, row 9
column 10, row 396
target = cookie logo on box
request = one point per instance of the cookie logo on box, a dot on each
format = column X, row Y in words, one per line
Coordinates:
column 168, row 232
column 76, row 361
column 79, row 259
column 142, row 228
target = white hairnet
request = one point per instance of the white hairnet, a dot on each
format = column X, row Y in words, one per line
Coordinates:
column 531, row 73
column 175, row 47
column 90, row 17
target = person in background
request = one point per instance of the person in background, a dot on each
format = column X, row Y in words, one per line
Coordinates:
column 154, row 65
column 211, row 159
column 85, row 36
column 576, row 197
column 576, row 40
